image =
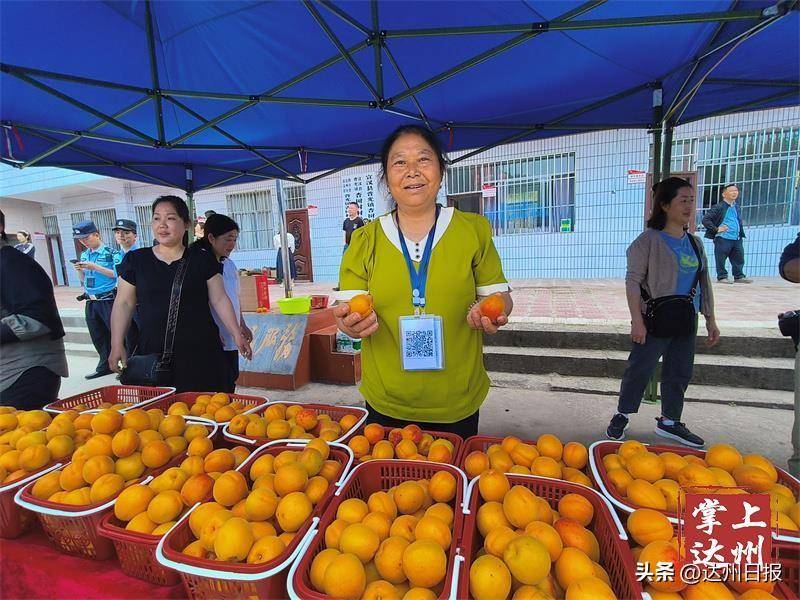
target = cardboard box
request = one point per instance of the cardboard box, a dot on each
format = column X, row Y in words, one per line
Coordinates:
column 254, row 292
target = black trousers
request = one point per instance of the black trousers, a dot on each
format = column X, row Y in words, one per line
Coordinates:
column 32, row 390
column 232, row 359
column 464, row 428
column 279, row 265
column 98, row 320
column 729, row 249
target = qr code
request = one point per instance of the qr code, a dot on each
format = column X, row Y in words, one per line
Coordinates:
column 419, row 344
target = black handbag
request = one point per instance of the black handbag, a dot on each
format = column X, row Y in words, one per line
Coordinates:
column 673, row 316
column 156, row 369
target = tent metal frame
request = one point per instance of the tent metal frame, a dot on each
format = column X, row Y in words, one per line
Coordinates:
column 664, row 119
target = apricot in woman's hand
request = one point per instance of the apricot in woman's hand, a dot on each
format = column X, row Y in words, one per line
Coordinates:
column 492, row 307
column 362, row 304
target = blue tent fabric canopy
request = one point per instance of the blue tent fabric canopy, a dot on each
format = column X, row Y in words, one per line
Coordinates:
column 232, row 92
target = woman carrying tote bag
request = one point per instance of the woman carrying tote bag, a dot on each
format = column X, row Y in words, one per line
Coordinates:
column 147, row 281
column 667, row 284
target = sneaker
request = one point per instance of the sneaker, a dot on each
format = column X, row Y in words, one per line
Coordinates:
column 678, row 431
column 724, row 281
column 743, row 280
column 616, row 429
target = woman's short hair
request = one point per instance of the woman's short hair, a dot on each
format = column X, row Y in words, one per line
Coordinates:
column 424, row 133
column 664, row 192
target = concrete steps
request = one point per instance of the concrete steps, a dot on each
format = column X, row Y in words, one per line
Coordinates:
column 709, row 369
column 606, row 386
column 736, row 342
column 749, row 367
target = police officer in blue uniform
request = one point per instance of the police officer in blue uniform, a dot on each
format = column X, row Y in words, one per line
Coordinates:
column 126, row 235
column 98, row 273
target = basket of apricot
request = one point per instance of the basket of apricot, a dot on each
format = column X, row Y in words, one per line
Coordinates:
column 296, row 421
column 376, row 442
column 120, row 451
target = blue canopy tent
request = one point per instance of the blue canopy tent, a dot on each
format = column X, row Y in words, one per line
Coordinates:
column 201, row 94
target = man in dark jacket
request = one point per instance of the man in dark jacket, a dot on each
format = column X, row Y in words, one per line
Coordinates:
column 723, row 223
column 32, row 358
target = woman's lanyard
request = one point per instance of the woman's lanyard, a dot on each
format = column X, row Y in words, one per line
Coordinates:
column 419, row 277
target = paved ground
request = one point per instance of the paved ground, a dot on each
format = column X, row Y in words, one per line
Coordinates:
column 596, row 301
column 529, row 413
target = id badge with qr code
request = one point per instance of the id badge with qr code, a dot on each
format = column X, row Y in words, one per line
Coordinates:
column 421, row 343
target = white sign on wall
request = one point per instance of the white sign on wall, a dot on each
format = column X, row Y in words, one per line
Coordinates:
column 362, row 189
column 635, row 176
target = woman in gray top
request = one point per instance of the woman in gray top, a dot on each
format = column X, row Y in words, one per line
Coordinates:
column 665, row 261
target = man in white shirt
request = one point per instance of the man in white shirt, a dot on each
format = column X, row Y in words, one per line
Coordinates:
column 279, row 259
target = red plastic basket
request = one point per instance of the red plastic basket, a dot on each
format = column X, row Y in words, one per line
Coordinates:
column 365, row 479
column 252, row 403
column 600, row 476
column 137, row 396
column 15, row 520
column 137, row 552
column 615, row 553
column 75, row 529
column 789, row 557
column 453, row 438
column 334, row 411
column 203, row 578
column 481, row 443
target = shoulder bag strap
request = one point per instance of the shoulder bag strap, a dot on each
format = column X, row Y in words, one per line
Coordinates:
column 174, row 305
column 693, row 293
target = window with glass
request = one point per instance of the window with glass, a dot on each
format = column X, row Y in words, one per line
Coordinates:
column 295, row 197
column 253, row 213
column 527, row 195
column 763, row 164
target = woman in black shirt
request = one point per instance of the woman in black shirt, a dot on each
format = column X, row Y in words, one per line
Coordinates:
column 145, row 282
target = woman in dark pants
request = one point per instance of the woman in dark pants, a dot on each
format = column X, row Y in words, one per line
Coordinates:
column 145, row 282
column 221, row 234
column 663, row 261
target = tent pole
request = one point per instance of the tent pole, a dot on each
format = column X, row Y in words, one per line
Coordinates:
column 492, row 52
column 151, row 50
column 85, row 107
column 235, row 140
column 340, row 47
column 190, row 198
column 377, row 41
column 559, row 25
column 396, row 66
column 75, row 138
column 666, row 162
column 287, row 273
column 651, row 391
column 753, row 82
column 658, row 128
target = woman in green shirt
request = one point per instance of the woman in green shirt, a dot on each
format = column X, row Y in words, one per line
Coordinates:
column 462, row 265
